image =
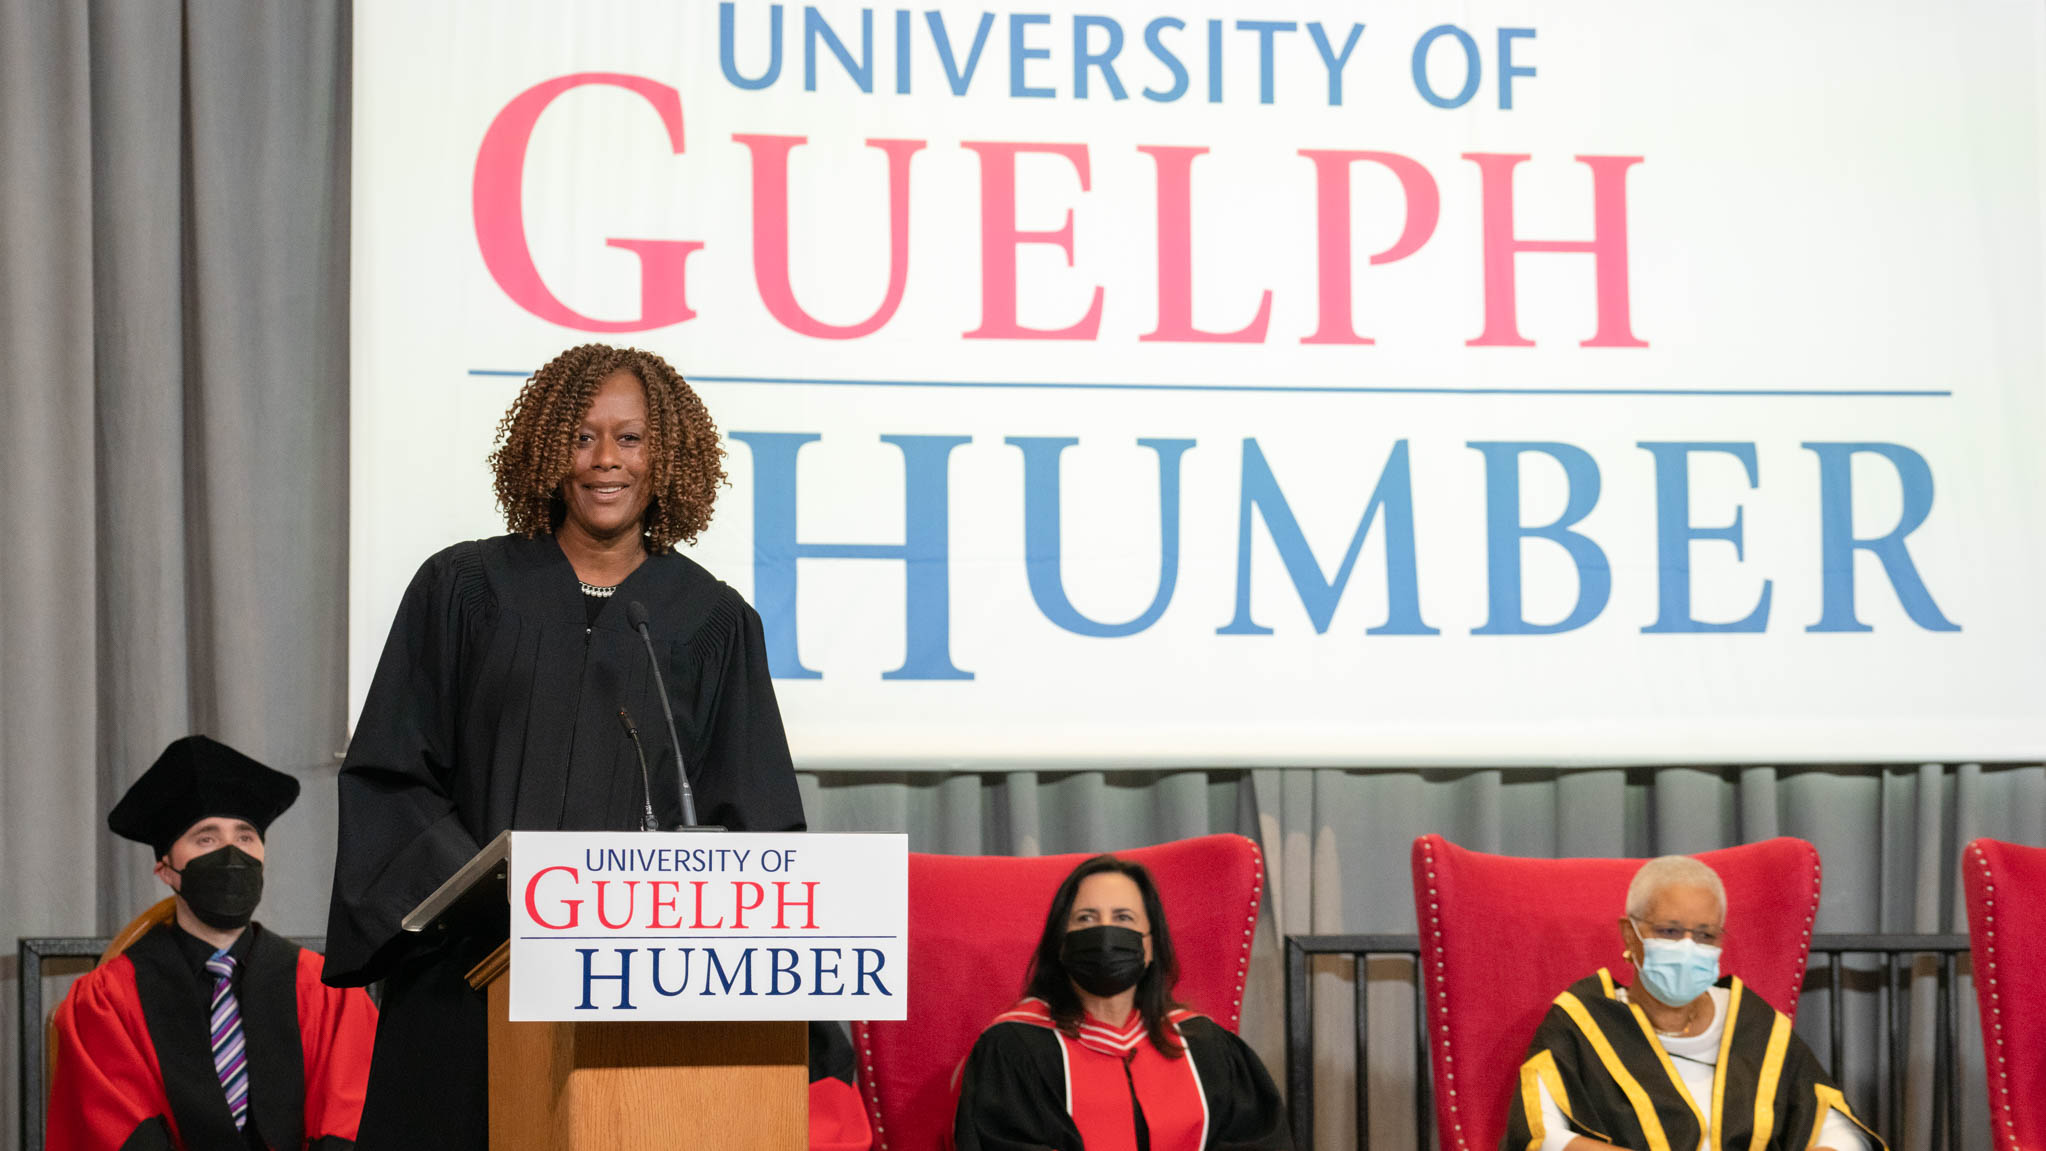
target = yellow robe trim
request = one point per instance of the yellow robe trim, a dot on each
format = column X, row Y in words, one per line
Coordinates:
column 1765, row 1087
column 1644, row 1108
column 1676, row 1081
column 1830, row 1099
column 1541, row 1069
column 1531, row 1097
column 1733, row 1012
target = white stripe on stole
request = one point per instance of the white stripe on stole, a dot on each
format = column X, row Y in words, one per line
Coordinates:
column 1110, row 1041
column 1066, row 1071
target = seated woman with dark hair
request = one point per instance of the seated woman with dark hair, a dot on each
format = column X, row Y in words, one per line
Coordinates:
column 1098, row 1055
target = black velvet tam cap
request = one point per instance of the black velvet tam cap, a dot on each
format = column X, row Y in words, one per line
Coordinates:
column 196, row 778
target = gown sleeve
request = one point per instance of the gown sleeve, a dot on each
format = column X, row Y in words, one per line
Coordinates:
column 1840, row 1134
column 1010, row 1095
column 1558, row 1134
column 400, row 835
column 1246, row 1111
column 838, row 1120
column 1535, row 1119
column 1814, row 1100
column 337, row 1028
column 108, row 1091
column 744, row 779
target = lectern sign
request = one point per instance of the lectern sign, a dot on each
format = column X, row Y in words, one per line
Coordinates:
column 705, row 925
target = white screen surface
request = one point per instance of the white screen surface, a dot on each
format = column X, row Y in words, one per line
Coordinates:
column 1746, row 473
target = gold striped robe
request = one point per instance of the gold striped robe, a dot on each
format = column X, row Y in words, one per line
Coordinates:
column 1604, row 1067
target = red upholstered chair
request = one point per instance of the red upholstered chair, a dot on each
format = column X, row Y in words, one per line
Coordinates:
column 2006, row 886
column 973, row 923
column 1501, row 937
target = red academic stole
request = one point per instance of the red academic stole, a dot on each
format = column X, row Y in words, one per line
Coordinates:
column 1103, row 1064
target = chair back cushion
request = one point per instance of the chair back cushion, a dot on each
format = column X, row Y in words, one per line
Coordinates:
column 973, row 924
column 161, row 912
column 1502, row 936
column 2006, row 888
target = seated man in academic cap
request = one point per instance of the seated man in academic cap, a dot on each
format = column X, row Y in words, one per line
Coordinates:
column 209, row 1032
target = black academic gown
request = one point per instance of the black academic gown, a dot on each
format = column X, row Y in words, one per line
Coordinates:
column 495, row 705
column 1600, row 1059
column 1027, row 1086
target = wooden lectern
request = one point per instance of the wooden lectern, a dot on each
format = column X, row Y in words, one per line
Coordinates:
column 584, row 1085
column 603, row 1084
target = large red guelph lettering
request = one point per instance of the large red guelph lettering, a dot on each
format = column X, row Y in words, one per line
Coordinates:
column 999, row 238
column 1332, row 231
column 1175, row 257
column 771, row 235
column 532, row 899
column 1607, row 247
column 499, row 209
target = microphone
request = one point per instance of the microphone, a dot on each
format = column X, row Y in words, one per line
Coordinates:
column 635, row 614
column 647, row 822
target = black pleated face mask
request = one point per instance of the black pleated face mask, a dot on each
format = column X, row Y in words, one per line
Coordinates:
column 222, row 887
column 1104, row 960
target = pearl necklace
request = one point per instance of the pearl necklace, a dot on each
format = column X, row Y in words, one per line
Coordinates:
column 598, row 592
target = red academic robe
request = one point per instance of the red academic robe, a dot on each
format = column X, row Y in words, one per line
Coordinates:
column 1027, row 1084
column 838, row 1121
column 135, row 1068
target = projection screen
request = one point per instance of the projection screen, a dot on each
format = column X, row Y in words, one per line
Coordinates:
column 1290, row 384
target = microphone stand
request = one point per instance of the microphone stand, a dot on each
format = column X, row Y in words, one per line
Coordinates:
column 647, row 822
column 636, row 614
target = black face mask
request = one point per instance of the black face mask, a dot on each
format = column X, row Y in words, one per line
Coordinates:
column 222, row 887
column 1105, row 960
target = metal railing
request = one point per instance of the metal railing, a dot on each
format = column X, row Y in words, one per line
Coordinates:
column 1300, row 1032
column 33, row 1020
column 1947, row 951
column 1900, row 956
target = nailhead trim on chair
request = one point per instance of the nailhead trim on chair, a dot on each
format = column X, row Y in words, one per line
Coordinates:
column 1811, row 915
column 1432, row 942
column 1257, row 889
column 1987, row 979
column 864, row 1042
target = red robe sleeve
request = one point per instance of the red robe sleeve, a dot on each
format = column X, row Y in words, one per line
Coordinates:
column 108, row 1082
column 838, row 1121
column 337, row 1027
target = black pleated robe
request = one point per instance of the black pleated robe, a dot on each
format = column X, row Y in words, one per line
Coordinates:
column 1027, row 1087
column 495, row 705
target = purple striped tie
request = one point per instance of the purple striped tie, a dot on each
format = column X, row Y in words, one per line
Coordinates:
column 230, row 1054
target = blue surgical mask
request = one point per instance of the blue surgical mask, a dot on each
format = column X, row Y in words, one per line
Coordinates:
column 1676, row 971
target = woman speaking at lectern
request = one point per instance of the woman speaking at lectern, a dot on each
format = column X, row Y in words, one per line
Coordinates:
column 496, row 705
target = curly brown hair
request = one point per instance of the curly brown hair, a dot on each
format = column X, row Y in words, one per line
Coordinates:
column 535, row 444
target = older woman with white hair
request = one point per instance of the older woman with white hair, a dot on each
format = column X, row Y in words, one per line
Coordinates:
column 1685, row 1058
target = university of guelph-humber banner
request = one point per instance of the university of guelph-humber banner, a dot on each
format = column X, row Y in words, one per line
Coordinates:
column 1288, row 384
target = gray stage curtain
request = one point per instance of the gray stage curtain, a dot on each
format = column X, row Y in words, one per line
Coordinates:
column 173, row 325
column 1336, row 847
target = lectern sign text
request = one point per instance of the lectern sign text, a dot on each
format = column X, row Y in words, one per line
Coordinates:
column 704, row 925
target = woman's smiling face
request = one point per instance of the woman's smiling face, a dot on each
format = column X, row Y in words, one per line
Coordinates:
column 606, row 492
